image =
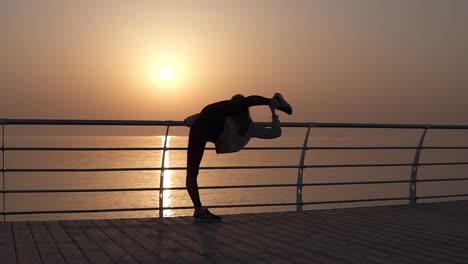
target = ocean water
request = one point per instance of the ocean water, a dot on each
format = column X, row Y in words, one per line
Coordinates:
column 176, row 178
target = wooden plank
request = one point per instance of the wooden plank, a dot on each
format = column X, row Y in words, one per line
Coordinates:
column 426, row 233
column 69, row 250
column 449, row 216
column 7, row 244
column 25, row 247
column 325, row 249
column 440, row 226
column 46, row 247
column 357, row 247
column 276, row 248
column 318, row 246
column 114, row 251
column 138, row 252
column 191, row 250
column 213, row 255
column 416, row 218
column 241, row 242
column 206, row 234
column 456, row 209
column 404, row 228
column 373, row 242
column 88, row 246
column 436, row 222
column 156, row 235
column 290, row 245
column 431, row 214
column 409, row 222
column 418, row 245
column 254, row 255
column 439, row 221
column 131, row 229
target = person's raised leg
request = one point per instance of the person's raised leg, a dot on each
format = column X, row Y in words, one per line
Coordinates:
column 254, row 100
column 276, row 102
column 240, row 103
column 220, row 110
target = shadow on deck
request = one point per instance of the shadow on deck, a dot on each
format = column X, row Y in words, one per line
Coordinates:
column 425, row 233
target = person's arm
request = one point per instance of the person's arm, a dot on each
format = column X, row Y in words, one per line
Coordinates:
column 268, row 133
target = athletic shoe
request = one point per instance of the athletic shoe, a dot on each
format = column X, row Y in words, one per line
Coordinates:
column 206, row 216
column 283, row 105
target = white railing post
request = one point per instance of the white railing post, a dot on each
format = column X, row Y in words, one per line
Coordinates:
column 161, row 177
column 300, row 172
column 414, row 170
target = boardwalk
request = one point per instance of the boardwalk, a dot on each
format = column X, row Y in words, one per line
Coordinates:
column 428, row 233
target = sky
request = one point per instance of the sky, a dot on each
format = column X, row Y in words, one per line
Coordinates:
column 375, row 61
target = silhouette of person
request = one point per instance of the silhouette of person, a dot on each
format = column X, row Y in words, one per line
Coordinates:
column 229, row 126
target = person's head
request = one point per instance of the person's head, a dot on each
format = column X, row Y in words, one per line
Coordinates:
column 237, row 97
column 243, row 118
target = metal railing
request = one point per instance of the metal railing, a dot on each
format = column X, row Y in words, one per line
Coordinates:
column 413, row 180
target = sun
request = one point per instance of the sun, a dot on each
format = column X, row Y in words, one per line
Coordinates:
column 166, row 73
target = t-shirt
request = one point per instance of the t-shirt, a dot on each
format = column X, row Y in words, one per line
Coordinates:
column 230, row 140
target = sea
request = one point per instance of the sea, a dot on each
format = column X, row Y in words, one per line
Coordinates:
column 292, row 137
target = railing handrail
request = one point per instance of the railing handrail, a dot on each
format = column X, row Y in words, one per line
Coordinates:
column 181, row 123
column 299, row 184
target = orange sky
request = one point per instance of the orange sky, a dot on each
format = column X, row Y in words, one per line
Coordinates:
column 336, row 61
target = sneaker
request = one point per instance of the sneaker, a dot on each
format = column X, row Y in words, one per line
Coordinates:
column 206, row 216
column 283, row 105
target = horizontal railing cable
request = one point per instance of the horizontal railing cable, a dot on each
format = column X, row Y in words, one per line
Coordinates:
column 357, row 201
column 131, row 149
column 443, row 179
column 229, row 186
column 82, row 190
column 78, row 211
column 443, row 196
column 234, row 167
column 200, row 187
column 113, row 210
column 190, row 207
column 80, row 169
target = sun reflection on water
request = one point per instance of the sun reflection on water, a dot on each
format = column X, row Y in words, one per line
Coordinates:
column 168, row 181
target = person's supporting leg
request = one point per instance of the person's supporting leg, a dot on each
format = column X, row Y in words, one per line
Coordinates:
column 196, row 148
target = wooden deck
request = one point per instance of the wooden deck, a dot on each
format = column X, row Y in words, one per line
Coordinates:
column 428, row 233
